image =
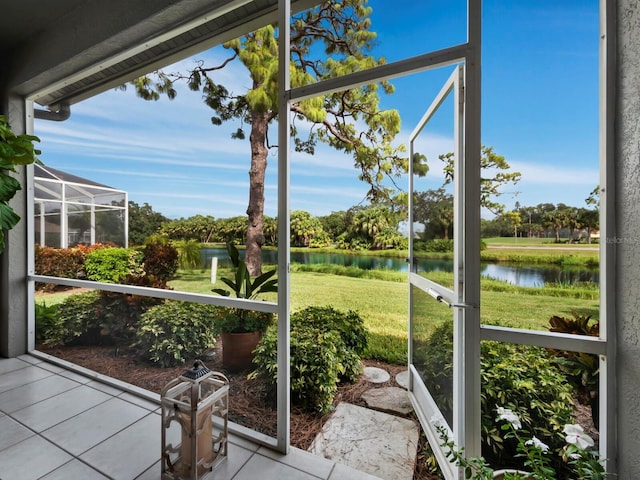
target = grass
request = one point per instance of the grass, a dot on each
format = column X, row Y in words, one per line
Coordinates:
column 381, row 298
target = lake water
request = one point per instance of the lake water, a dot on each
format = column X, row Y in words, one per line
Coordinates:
column 525, row 276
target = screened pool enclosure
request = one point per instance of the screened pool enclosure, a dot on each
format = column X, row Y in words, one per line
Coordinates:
column 70, row 210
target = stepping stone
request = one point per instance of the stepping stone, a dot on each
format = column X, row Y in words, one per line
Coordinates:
column 394, row 400
column 376, row 375
column 402, row 379
column 373, row 442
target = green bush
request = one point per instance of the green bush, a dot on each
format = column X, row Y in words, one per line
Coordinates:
column 350, row 327
column 188, row 254
column 78, row 320
column 316, row 366
column 325, row 348
column 521, row 378
column 112, row 265
column 46, row 321
column 172, row 332
column 160, row 260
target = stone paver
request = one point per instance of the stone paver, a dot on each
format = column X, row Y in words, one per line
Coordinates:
column 374, row 442
column 376, row 375
column 402, row 379
column 394, row 400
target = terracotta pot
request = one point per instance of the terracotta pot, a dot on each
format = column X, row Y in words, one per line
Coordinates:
column 237, row 350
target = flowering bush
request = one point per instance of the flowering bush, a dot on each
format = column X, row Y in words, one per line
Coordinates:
column 584, row 462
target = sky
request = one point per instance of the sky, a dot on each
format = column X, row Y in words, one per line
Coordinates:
column 539, row 110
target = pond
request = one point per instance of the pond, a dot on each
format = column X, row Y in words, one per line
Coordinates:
column 521, row 275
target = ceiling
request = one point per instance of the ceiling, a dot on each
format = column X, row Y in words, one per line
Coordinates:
column 64, row 51
column 23, row 19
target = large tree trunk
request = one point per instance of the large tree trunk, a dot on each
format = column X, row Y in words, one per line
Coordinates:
column 255, row 210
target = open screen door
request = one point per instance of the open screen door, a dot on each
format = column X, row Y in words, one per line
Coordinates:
column 437, row 312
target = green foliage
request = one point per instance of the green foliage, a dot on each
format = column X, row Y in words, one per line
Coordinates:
column 46, row 321
column 372, row 227
column 241, row 283
column 143, row 222
column 349, row 326
column 520, row 378
column 325, row 348
column 14, row 150
column 199, row 227
column 160, row 260
column 119, row 313
column 78, row 320
column 523, row 379
column 491, row 164
column 113, row 265
column 172, row 332
column 307, row 230
column 436, row 245
column 582, row 369
column 237, row 320
column 316, row 366
column 188, row 254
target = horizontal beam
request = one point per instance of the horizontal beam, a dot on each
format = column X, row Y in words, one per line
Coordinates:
column 241, row 303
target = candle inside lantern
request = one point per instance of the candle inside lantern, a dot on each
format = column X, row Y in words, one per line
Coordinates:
column 204, row 440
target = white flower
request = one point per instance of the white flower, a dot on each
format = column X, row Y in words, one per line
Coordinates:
column 509, row 416
column 435, row 420
column 538, row 444
column 576, row 436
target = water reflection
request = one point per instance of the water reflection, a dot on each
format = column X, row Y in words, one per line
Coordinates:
column 524, row 276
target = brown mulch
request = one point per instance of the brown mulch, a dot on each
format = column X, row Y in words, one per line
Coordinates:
column 248, row 406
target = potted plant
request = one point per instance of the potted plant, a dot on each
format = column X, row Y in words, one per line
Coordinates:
column 14, row 150
column 242, row 329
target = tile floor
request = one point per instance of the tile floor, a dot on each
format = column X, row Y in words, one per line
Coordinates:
column 56, row 424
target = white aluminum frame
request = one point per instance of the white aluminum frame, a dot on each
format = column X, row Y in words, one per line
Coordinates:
column 467, row 188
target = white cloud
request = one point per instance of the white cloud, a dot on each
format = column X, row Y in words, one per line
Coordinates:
column 545, row 174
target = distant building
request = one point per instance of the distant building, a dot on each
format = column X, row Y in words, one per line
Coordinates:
column 71, row 210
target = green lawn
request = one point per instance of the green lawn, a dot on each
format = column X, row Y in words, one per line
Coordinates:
column 382, row 303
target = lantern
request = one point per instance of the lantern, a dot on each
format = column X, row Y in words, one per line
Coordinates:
column 198, row 400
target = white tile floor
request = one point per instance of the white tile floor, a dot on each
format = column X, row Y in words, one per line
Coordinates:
column 56, row 424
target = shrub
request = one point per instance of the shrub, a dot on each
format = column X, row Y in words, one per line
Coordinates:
column 58, row 262
column 78, row 320
column 349, row 326
column 188, row 254
column 521, row 378
column 160, row 260
column 172, row 332
column 325, row 348
column 46, row 321
column 112, row 265
column 316, row 366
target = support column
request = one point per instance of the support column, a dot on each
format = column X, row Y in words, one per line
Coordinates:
column 627, row 240
column 13, row 261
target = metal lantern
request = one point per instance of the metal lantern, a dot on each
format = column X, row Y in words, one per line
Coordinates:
column 198, row 400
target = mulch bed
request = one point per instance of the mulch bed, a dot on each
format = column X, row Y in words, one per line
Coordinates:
column 248, row 405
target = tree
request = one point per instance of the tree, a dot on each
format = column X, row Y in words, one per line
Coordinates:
column 306, row 230
column 143, row 221
column 197, row 227
column 331, row 40
column 515, row 220
column 372, row 226
column 434, row 210
column 556, row 219
column 334, row 224
column 495, row 168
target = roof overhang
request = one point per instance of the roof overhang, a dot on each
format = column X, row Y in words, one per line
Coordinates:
column 126, row 48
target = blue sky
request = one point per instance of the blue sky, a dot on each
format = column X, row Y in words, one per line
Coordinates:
column 540, row 110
